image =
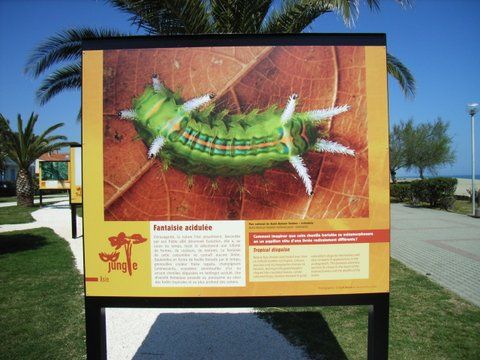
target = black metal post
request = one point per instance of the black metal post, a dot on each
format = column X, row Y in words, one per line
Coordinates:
column 40, row 196
column 73, row 208
column 378, row 329
column 95, row 331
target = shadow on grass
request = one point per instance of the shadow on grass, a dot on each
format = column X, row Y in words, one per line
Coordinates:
column 309, row 330
column 12, row 243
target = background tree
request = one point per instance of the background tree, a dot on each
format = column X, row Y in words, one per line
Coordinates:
column 24, row 147
column 427, row 146
column 168, row 17
column 4, row 129
column 397, row 147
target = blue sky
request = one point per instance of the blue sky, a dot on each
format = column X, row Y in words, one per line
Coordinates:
column 439, row 40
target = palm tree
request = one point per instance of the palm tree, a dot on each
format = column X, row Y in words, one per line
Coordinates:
column 24, row 147
column 4, row 129
column 168, row 17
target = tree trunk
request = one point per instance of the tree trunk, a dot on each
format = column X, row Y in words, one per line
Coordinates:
column 393, row 174
column 421, row 173
column 25, row 188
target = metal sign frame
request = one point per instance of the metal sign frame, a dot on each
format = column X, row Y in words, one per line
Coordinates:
column 378, row 319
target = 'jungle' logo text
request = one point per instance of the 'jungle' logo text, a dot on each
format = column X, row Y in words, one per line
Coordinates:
column 117, row 242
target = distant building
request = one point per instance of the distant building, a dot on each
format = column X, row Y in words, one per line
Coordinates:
column 9, row 173
column 55, row 156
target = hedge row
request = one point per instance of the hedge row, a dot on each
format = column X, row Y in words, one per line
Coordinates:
column 437, row 192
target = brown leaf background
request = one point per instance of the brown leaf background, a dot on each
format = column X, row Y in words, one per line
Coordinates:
column 243, row 78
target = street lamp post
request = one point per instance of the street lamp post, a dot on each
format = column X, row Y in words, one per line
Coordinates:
column 472, row 110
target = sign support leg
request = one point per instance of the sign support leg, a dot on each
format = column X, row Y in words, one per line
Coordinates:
column 378, row 329
column 40, row 196
column 73, row 208
column 95, row 331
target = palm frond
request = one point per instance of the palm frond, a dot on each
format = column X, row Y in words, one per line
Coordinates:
column 28, row 133
column 4, row 130
column 402, row 74
column 20, row 134
column 405, row 3
column 349, row 9
column 296, row 15
column 24, row 147
column 64, row 46
column 53, row 138
column 375, row 4
column 167, row 16
column 43, row 136
column 67, row 77
column 242, row 16
column 150, row 16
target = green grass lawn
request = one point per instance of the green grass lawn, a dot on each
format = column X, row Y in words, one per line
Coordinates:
column 426, row 322
column 17, row 214
column 42, row 315
column 41, row 302
column 462, row 207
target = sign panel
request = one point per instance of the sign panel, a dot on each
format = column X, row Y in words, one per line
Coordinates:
column 75, row 174
column 243, row 168
column 54, row 175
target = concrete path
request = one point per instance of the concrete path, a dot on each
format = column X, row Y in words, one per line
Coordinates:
column 442, row 245
column 206, row 334
column 45, row 200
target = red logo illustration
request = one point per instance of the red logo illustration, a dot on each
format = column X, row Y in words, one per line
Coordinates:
column 117, row 242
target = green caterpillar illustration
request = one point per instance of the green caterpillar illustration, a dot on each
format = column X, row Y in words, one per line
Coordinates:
column 190, row 137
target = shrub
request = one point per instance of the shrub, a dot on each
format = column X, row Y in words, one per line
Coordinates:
column 437, row 192
column 7, row 188
column 400, row 191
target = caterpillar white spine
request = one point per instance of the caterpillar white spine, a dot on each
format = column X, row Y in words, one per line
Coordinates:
column 156, row 146
column 289, row 109
column 127, row 114
column 197, row 102
column 333, row 147
column 156, row 83
column 302, row 171
column 321, row 114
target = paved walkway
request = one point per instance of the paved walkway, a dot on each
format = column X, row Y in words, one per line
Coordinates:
column 444, row 245
column 45, row 200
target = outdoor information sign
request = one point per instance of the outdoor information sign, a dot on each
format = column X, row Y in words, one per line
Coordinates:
column 75, row 175
column 54, row 175
column 235, row 167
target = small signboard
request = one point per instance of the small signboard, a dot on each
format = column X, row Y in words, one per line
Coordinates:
column 75, row 174
column 54, row 175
